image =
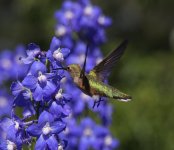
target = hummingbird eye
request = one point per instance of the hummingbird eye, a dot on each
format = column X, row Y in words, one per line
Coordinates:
column 68, row 68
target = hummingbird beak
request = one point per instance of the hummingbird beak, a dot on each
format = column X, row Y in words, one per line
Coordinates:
column 63, row 68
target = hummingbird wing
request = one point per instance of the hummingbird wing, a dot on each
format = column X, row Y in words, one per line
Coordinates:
column 85, row 80
column 102, row 70
column 82, row 73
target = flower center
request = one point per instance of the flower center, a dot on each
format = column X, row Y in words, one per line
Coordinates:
column 3, row 102
column 87, row 132
column 46, row 129
column 58, row 55
column 60, row 31
column 108, row 140
column 11, row 145
column 60, row 147
column 88, row 10
column 59, row 94
column 42, row 78
column 101, row 20
column 6, row 64
column 69, row 15
column 16, row 125
column 36, row 51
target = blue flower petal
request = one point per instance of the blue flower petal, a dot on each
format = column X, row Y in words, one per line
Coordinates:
column 68, row 42
column 67, row 97
column 50, row 75
column 40, row 143
column 11, row 133
column 49, row 89
column 3, row 144
column 56, row 109
column 87, row 122
column 28, row 111
column 38, row 93
column 49, row 55
column 66, row 110
column 26, row 94
column 6, row 123
column 30, row 82
column 33, row 49
column 37, row 67
column 6, row 103
column 101, row 131
column 84, row 143
column 79, row 107
column 20, row 100
column 45, row 117
column 58, row 126
column 34, row 130
column 55, row 44
column 115, row 143
column 27, row 60
column 52, row 143
column 32, row 46
column 16, row 88
column 80, row 48
column 65, row 52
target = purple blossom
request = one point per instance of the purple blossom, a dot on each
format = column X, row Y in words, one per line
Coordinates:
column 13, row 133
column 85, row 19
column 33, row 52
column 11, row 66
column 47, row 96
column 45, row 130
column 37, row 93
column 88, row 135
column 6, row 104
column 56, row 54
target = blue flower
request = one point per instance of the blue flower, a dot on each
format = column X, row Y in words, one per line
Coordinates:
column 10, row 66
column 6, row 104
column 23, row 98
column 79, row 103
column 13, row 133
column 105, row 139
column 38, row 93
column 11, row 144
column 33, row 53
column 85, row 19
column 41, row 90
column 56, row 53
column 71, row 134
column 39, row 83
column 68, row 17
column 59, row 107
column 5, row 123
column 89, row 135
column 45, row 130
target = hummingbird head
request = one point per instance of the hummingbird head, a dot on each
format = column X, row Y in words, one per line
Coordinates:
column 74, row 70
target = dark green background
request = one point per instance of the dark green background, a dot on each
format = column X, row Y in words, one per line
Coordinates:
column 146, row 71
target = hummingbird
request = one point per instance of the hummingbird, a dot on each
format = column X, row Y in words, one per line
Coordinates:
column 92, row 83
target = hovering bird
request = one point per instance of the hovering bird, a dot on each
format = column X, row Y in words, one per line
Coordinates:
column 93, row 84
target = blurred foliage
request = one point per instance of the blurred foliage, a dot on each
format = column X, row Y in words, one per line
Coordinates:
column 145, row 71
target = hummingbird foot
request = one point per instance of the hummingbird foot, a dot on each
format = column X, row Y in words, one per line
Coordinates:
column 97, row 100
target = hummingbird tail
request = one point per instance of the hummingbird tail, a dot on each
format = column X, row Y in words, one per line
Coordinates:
column 123, row 99
column 121, row 96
